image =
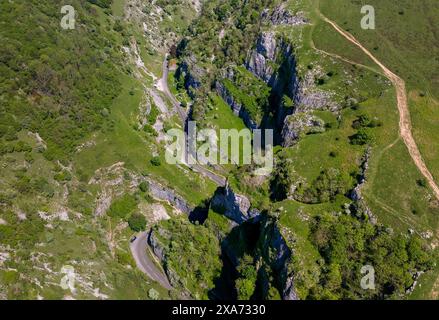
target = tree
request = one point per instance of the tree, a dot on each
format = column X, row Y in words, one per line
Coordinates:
column 173, row 52
column 287, row 102
column 362, row 137
column 143, row 186
column 246, row 283
column 137, row 222
column 282, row 179
column 155, row 161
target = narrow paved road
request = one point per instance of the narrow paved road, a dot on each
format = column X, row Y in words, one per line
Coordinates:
column 139, row 249
column 163, row 86
column 405, row 125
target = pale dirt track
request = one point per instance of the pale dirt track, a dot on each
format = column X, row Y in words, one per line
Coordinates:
column 405, row 126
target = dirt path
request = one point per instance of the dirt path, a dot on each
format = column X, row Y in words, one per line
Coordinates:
column 405, row 126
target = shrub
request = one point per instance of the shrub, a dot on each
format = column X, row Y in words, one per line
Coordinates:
column 137, row 222
column 155, row 161
column 246, row 282
column 333, row 154
column 362, row 137
column 422, row 182
column 143, row 186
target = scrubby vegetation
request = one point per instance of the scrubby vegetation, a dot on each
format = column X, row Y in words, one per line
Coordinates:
column 53, row 81
column 192, row 253
column 72, row 154
column 347, row 244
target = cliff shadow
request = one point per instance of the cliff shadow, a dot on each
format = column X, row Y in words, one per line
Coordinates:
column 199, row 214
column 241, row 240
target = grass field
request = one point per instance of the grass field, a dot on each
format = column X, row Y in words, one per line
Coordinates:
column 405, row 40
column 136, row 149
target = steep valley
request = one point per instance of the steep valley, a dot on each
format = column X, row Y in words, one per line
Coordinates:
column 85, row 184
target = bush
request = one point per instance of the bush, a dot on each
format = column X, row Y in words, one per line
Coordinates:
column 282, row 179
column 137, row 222
column 362, row 137
column 143, row 186
column 155, row 161
column 422, row 182
column 246, row 282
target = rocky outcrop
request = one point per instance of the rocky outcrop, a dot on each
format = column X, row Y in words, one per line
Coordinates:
column 155, row 244
column 281, row 16
column 238, row 109
column 264, row 52
column 360, row 204
column 162, row 193
column 271, row 245
column 234, row 206
column 158, row 248
column 310, row 97
column 299, row 124
column 191, row 73
column 270, row 249
column 273, row 61
column 276, row 252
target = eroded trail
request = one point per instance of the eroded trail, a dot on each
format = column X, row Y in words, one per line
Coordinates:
column 405, row 126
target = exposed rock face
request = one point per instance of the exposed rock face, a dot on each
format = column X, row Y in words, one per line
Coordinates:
column 165, row 194
column 299, row 124
column 265, row 51
column 271, row 244
column 159, row 251
column 191, row 73
column 238, row 109
column 234, row 206
column 281, row 76
column 155, row 243
column 310, row 97
column 281, row 16
column 356, row 195
column 273, row 60
column 278, row 254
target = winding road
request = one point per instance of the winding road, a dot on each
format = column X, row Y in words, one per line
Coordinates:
column 405, row 125
column 139, row 249
column 163, row 86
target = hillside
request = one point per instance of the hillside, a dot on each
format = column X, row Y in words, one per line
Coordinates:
column 86, row 184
